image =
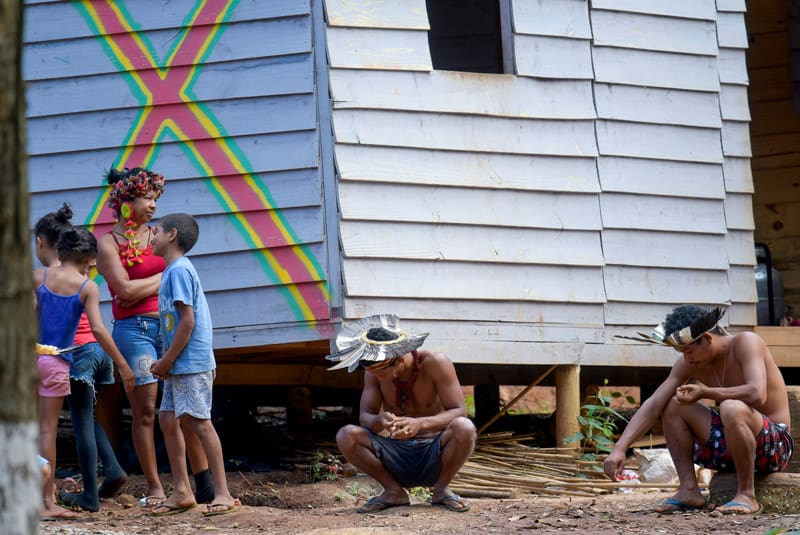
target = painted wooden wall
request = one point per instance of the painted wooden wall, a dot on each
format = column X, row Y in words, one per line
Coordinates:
column 528, row 217
column 220, row 97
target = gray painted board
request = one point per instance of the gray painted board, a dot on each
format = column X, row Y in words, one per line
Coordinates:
column 557, row 18
column 411, row 14
column 739, row 211
column 690, row 9
column 731, row 32
column 369, row 48
column 649, row 32
column 653, row 285
column 655, row 105
column 657, row 69
column 655, row 177
column 658, row 249
column 552, row 57
column 742, row 284
column 507, row 331
column 736, row 138
column 739, row 6
column 732, row 66
column 733, row 102
column 643, row 212
column 466, row 169
column 738, row 175
column 740, row 247
column 662, row 142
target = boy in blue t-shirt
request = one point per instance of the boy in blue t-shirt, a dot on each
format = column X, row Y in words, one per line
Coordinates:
column 187, row 367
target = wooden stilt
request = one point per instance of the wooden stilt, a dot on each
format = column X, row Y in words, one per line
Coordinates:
column 299, row 410
column 568, row 404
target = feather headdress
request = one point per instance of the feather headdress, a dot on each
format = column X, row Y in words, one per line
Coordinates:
column 684, row 336
column 356, row 348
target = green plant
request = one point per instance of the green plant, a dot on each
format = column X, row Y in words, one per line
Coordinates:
column 353, row 489
column 469, row 401
column 420, row 492
column 324, row 467
column 598, row 421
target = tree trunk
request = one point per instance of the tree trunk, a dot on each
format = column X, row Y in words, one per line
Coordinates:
column 20, row 476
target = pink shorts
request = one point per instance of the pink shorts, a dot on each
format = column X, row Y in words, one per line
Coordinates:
column 53, row 376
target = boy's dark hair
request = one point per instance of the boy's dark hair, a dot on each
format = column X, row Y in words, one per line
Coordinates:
column 186, row 225
column 379, row 334
column 76, row 245
column 51, row 225
column 683, row 316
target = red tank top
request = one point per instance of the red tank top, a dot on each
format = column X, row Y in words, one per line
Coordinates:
column 84, row 333
column 150, row 265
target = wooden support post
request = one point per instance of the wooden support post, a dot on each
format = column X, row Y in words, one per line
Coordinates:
column 299, row 410
column 568, row 404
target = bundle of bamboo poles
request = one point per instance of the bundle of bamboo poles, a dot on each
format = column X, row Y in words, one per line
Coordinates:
column 502, row 466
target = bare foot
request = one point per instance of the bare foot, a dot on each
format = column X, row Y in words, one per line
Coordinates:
column 56, row 512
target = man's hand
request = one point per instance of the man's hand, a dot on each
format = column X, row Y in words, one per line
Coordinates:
column 614, row 464
column 387, row 420
column 128, row 378
column 687, row 394
column 160, row 369
column 405, row 428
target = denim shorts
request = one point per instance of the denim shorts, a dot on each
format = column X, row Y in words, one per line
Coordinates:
column 139, row 340
column 188, row 393
column 416, row 462
column 92, row 365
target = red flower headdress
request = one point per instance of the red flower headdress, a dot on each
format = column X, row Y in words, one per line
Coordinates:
column 126, row 186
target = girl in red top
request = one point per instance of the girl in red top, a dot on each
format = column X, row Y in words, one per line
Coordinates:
column 126, row 261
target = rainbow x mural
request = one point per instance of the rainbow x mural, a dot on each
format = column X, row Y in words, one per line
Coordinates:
column 169, row 108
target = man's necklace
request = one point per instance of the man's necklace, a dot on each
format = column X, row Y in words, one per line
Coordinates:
column 724, row 370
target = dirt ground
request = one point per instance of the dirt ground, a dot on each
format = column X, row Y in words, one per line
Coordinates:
column 277, row 502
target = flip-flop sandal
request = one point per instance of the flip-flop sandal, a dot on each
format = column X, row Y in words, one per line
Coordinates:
column 376, row 504
column 171, row 509
column 679, row 506
column 454, row 503
column 739, row 508
column 215, row 509
column 64, row 514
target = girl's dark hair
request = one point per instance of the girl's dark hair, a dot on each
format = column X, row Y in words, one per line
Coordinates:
column 77, row 245
column 50, row 227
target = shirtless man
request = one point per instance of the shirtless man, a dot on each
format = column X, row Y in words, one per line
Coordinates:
column 746, row 432
column 414, row 431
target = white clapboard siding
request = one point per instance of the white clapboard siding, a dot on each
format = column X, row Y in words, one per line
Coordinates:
column 643, row 212
column 474, row 310
column 500, row 353
column 743, row 314
column 469, row 207
column 256, row 307
column 552, row 57
column 736, row 138
column 463, row 92
column 633, row 317
column 372, row 239
column 657, row 249
column 732, row 66
column 655, row 177
column 740, row 247
column 742, row 283
column 662, row 142
column 368, row 48
column 51, row 21
column 507, row 332
column 648, row 32
column 411, row 14
column 463, row 280
column 665, row 285
column 268, row 152
column 738, row 175
column 689, row 9
column 739, row 211
column 737, row 6
column 457, row 132
column 466, row 169
column 655, row 69
column 657, row 105
column 731, row 32
column 557, row 18
column 733, row 102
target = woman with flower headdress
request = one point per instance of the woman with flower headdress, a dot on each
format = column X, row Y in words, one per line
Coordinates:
column 133, row 273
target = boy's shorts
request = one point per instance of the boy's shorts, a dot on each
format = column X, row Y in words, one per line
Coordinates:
column 53, row 376
column 139, row 340
column 412, row 463
column 188, row 394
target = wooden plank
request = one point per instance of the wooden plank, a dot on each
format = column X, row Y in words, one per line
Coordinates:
column 777, row 221
column 770, row 83
column 552, row 57
column 778, row 336
column 740, row 245
column 775, row 161
column 246, row 339
column 689, row 9
column 253, row 307
column 732, row 66
column 647, row 315
column 653, row 177
column 733, row 102
column 86, row 57
column 362, row 48
column 778, row 186
column 647, row 355
column 661, row 285
column 470, row 133
column 500, row 353
column 742, row 284
column 782, row 145
column 736, row 139
column 265, row 153
column 242, row 374
column 656, row 69
column 652, row 32
column 97, row 130
column 446, row 205
column 736, row 6
column 466, row 243
column 770, row 16
column 237, row 79
column 462, row 280
column 467, row 169
column 625, row 211
column 661, row 106
column 462, row 92
column 742, row 315
column 767, row 50
column 616, row 138
column 774, row 117
column 661, row 249
column 62, row 20
column 739, row 211
column 738, row 175
column 475, row 310
column 731, row 32
column 556, row 18
column 785, row 248
column 495, row 331
column 399, row 14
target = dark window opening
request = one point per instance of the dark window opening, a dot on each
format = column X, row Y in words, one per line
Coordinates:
column 465, row 35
